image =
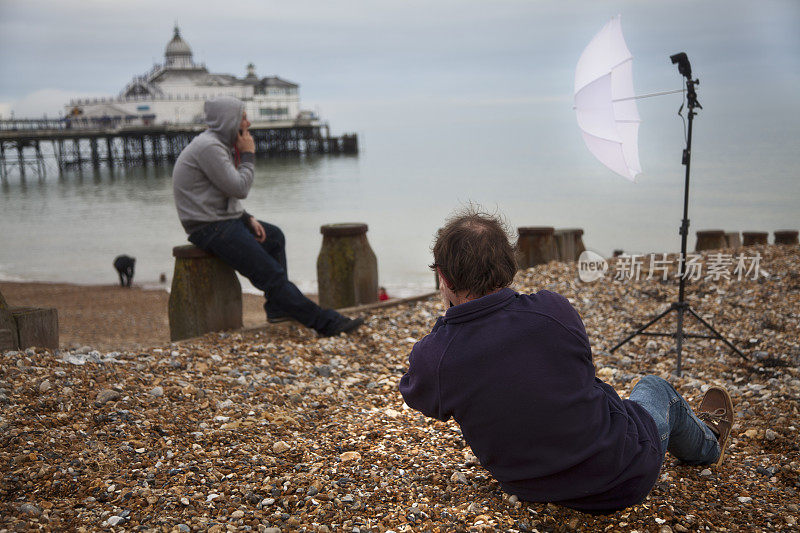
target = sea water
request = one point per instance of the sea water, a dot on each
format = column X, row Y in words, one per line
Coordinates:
column 415, row 167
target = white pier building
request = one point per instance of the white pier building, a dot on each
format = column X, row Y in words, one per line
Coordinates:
column 174, row 93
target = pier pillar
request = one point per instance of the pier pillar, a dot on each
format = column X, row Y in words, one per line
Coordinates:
column 95, row 156
column 143, row 151
column 712, row 239
column 76, row 150
column 752, row 238
column 21, row 160
column 154, row 148
column 350, row 144
column 110, row 151
column 58, row 150
column 536, row 246
column 126, row 154
column 40, row 167
column 171, row 148
column 347, row 269
column 786, row 236
column 3, row 170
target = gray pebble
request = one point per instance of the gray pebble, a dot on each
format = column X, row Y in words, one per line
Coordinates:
column 324, row 371
column 459, row 477
column 106, row 395
column 45, row 386
column 29, row 508
column 769, row 472
column 706, row 472
column 770, row 435
column 157, row 391
column 745, row 499
column 183, row 528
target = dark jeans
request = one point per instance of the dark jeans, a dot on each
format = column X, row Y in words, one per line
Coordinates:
column 264, row 264
column 682, row 433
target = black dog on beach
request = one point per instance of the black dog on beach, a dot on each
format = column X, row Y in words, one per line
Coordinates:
column 124, row 265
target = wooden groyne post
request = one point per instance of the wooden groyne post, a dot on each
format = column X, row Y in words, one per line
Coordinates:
column 786, row 236
column 347, row 269
column 23, row 327
column 752, row 238
column 536, row 245
column 205, row 296
column 710, row 239
column 569, row 243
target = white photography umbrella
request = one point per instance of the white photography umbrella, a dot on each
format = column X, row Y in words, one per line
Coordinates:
column 605, row 103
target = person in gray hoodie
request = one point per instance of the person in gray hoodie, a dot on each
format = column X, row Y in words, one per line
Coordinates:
column 209, row 184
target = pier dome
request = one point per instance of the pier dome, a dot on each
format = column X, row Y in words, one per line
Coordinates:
column 175, row 91
column 178, row 53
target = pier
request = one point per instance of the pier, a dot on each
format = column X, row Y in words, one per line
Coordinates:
column 74, row 143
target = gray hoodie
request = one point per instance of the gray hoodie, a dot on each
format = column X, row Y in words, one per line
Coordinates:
column 206, row 184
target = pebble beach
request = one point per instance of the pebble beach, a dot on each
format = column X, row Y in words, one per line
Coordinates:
column 272, row 429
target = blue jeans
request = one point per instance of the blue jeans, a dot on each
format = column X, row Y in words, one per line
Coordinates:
column 264, row 264
column 682, row 433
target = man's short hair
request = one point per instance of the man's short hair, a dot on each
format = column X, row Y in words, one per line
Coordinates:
column 474, row 253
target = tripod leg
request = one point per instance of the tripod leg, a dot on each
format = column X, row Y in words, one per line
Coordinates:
column 679, row 339
column 641, row 329
column 717, row 333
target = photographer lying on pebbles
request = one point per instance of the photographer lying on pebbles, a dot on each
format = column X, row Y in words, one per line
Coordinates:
column 515, row 371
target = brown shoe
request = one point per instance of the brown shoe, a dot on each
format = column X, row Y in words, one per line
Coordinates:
column 716, row 410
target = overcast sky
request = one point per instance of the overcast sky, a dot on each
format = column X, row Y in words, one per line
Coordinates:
column 496, row 51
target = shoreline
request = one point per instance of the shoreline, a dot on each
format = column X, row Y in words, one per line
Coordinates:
column 112, row 317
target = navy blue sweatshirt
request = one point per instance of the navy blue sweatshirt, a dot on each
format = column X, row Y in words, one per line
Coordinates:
column 515, row 371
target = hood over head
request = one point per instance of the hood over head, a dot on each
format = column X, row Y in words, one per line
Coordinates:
column 223, row 116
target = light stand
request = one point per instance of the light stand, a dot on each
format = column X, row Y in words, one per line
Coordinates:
column 682, row 307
